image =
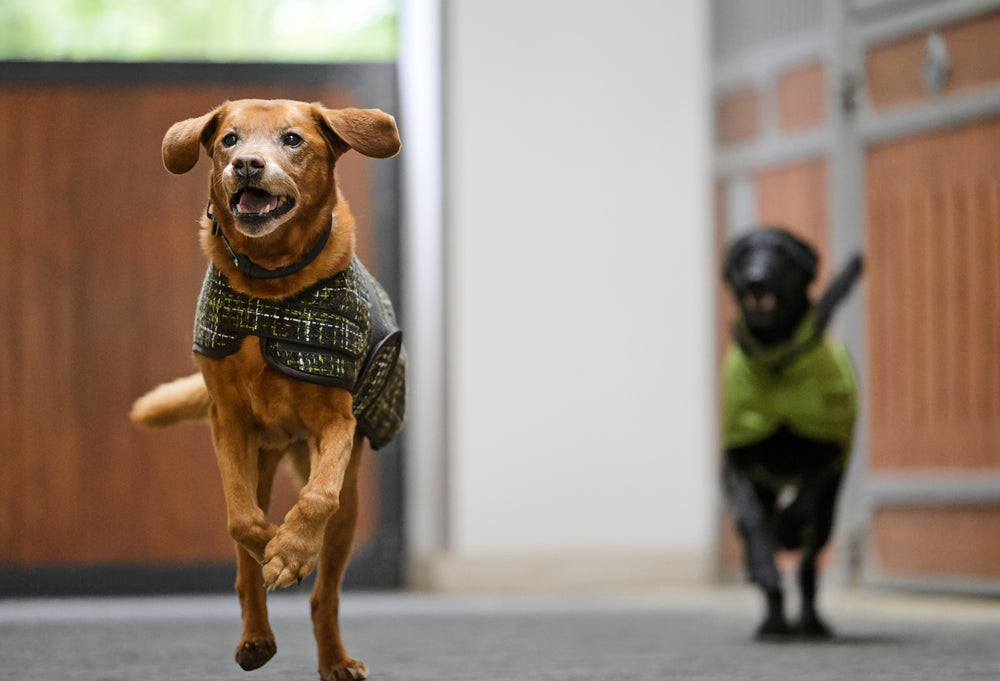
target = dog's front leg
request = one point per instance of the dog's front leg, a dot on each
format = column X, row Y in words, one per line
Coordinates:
column 759, row 545
column 751, row 520
column 292, row 553
column 237, row 455
column 335, row 664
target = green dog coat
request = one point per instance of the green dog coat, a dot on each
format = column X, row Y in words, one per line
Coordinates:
column 340, row 332
column 806, row 384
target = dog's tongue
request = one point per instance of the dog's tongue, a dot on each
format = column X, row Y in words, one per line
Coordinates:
column 257, row 201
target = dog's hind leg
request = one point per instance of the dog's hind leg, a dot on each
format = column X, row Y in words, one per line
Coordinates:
column 257, row 644
column 810, row 623
column 751, row 518
column 334, row 662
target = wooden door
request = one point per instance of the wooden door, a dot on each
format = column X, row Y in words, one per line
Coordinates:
column 932, row 211
column 933, row 243
column 770, row 110
column 99, row 273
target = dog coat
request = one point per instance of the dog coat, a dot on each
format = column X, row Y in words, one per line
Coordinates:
column 806, row 384
column 340, row 332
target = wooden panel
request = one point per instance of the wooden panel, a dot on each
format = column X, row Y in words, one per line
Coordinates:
column 797, row 197
column 895, row 70
column 802, row 100
column 737, row 117
column 933, row 275
column 949, row 541
column 99, row 275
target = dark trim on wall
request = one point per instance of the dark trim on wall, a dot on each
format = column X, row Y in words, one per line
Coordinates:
column 374, row 569
column 368, row 81
column 114, row 580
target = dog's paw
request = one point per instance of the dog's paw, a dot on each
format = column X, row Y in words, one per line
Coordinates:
column 811, row 626
column 288, row 560
column 773, row 628
column 254, row 654
column 348, row 670
column 281, row 571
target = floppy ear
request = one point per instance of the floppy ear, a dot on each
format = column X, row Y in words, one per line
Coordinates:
column 802, row 254
column 368, row 131
column 180, row 144
column 730, row 265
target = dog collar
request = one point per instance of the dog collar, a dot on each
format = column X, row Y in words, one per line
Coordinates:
column 811, row 328
column 781, row 355
column 254, row 271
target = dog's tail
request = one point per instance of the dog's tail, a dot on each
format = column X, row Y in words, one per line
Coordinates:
column 837, row 291
column 184, row 399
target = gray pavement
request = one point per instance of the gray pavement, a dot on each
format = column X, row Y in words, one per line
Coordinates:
column 677, row 634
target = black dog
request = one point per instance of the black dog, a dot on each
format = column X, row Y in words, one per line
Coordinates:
column 790, row 403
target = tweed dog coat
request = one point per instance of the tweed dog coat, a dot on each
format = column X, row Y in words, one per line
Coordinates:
column 806, row 384
column 340, row 332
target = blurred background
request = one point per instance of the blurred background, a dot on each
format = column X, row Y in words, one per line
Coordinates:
column 551, row 234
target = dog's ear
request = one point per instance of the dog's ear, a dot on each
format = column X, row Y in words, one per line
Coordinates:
column 180, row 144
column 734, row 254
column 800, row 252
column 368, row 131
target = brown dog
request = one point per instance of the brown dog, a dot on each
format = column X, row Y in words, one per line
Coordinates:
column 277, row 230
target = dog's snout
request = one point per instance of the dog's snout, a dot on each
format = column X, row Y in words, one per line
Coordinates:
column 757, row 271
column 248, row 166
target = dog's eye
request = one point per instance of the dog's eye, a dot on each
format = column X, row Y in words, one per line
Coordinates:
column 291, row 139
column 229, row 140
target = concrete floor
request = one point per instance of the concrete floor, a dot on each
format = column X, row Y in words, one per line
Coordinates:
column 679, row 634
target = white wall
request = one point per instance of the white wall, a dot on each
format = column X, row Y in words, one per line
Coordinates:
column 577, row 280
column 423, row 276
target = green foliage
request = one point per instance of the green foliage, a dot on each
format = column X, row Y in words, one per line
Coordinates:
column 199, row 30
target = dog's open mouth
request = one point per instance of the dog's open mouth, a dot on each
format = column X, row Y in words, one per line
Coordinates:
column 252, row 203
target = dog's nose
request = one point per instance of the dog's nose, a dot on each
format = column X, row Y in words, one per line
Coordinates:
column 248, row 166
